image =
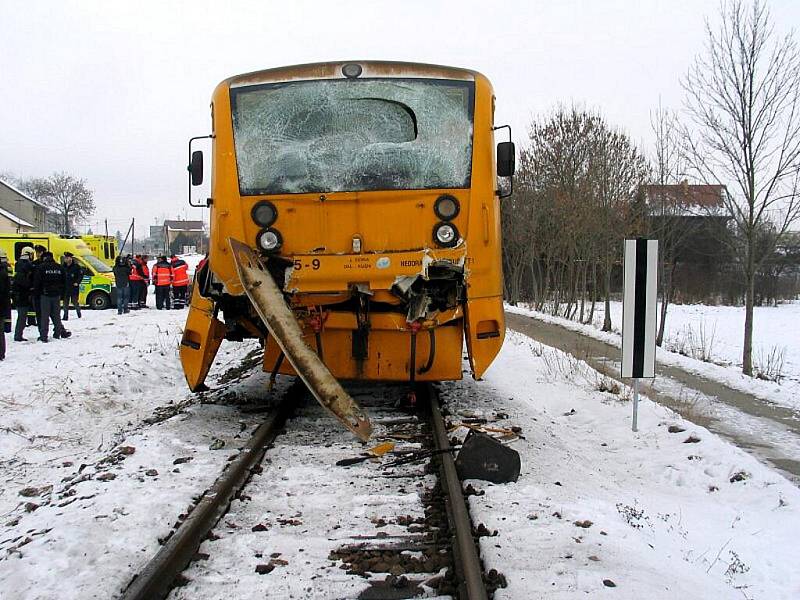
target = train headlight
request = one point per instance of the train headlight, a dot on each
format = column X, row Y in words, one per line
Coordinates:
column 445, row 234
column 269, row 240
column 264, row 213
column 446, row 207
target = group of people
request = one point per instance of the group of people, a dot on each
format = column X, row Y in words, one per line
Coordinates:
column 132, row 276
column 39, row 286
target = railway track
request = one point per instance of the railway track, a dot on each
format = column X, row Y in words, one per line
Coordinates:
column 285, row 520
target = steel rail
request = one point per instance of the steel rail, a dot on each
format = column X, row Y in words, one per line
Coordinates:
column 465, row 554
column 156, row 579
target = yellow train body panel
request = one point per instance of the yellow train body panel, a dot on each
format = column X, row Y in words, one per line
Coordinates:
column 349, row 257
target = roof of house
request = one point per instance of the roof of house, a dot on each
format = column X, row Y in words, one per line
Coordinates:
column 189, row 226
column 687, row 199
column 14, row 218
column 21, row 193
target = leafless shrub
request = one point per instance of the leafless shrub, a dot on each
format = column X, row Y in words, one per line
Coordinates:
column 633, row 515
column 606, row 384
column 735, row 567
column 694, row 343
column 563, row 365
column 770, row 364
column 688, row 404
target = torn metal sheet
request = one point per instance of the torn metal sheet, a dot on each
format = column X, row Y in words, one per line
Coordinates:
column 270, row 305
column 439, row 286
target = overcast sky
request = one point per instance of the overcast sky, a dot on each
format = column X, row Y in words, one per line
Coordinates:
column 111, row 91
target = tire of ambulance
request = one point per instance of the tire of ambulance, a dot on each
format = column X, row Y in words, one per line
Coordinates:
column 99, row 301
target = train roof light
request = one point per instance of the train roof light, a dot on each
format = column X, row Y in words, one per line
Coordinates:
column 351, row 70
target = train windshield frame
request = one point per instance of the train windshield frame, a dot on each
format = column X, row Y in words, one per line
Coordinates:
column 351, row 135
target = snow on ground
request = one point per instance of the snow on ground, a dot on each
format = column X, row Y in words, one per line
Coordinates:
column 101, row 448
column 716, row 332
column 652, row 512
column 92, row 427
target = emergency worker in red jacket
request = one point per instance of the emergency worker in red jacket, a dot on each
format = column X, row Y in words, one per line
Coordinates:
column 146, row 281
column 162, row 278
column 180, row 281
column 137, row 281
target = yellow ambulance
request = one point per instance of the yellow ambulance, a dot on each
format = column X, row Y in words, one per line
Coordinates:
column 97, row 287
column 103, row 247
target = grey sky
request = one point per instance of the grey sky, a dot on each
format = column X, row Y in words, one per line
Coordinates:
column 111, row 91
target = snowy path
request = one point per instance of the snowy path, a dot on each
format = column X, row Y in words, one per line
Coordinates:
column 706, row 341
column 770, row 431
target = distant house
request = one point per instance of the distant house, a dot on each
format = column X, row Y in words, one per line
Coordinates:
column 691, row 224
column 24, row 208
column 691, row 216
column 183, row 237
column 10, row 223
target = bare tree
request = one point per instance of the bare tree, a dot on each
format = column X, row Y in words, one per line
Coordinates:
column 619, row 171
column 577, row 181
column 743, row 96
column 553, row 177
column 66, row 195
column 519, row 243
column 666, row 214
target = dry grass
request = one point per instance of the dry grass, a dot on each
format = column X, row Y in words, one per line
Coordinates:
column 770, row 364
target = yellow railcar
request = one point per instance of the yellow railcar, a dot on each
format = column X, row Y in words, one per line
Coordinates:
column 369, row 191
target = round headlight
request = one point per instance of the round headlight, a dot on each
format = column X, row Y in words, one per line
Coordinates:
column 264, row 213
column 445, row 234
column 351, row 70
column 446, row 207
column 269, row 240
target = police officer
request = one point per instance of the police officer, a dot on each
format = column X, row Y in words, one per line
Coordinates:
column 162, row 278
column 122, row 279
column 5, row 302
column 48, row 282
column 40, row 250
column 73, row 274
column 22, row 288
column 180, row 281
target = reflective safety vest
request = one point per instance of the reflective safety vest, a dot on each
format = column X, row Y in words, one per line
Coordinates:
column 162, row 275
column 146, row 271
column 180, row 273
column 135, row 266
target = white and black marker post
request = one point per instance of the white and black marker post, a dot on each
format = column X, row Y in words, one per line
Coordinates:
column 639, row 315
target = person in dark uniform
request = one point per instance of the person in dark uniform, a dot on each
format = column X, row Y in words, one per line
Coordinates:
column 73, row 275
column 40, row 250
column 48, row 283
column 5, row 303
column 22, row 287
column 162, row 278
column 122, row 279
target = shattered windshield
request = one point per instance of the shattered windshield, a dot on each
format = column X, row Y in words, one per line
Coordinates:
column 353, row 135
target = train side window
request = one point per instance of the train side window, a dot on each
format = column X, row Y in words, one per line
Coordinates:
column 105, row 250
column 113, row 254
